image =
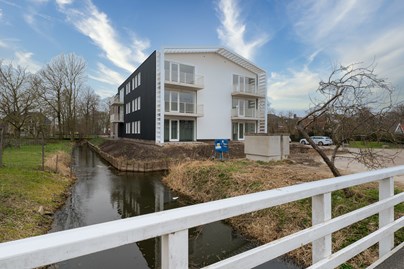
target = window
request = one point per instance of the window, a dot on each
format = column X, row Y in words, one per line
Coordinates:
column 182, row 102
column 250, row 128
column 138, row 103
column 244, row 84
column 133, row 127
column 139, row 79
column 244, row 107
column 177, row 72
column 186, row 102
column 127, row 87
column 133, row 83
column 133, row 106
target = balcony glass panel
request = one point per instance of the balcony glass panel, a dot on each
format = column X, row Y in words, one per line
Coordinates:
column 187, row 74
column 166, row 101
column 182, row 102
column 174, row 72
column 174, row 101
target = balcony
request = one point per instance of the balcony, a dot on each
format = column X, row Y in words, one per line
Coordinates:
column 116, row 117
column 247, row 92
column 187, row 110
column 116, row 100
column 185, row 81
column 247, row 114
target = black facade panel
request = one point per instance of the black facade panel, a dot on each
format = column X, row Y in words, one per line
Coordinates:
column 147, row 93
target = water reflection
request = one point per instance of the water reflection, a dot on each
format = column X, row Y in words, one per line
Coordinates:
column 102, row 194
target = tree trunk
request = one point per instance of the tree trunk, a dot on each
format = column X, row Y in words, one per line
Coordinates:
column 324, row 156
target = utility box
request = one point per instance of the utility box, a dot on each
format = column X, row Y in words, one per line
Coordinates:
column 266, row 147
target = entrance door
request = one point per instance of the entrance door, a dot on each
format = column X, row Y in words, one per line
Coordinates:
column 174, row 130
column 241, row 131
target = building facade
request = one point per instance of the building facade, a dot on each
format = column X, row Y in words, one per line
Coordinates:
column 181, row 94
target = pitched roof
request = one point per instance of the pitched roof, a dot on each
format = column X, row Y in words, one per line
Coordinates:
column 234, row 57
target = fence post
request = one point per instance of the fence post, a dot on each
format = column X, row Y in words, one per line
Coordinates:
column 174, row 250
column 386, row 189
column 321, row 211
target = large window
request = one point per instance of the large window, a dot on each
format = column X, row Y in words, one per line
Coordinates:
column 136, row 104
column 244, row 84
column 182, row 102
column 242, row 128
column 177, row 72
column 244, row 107
column 178, row 130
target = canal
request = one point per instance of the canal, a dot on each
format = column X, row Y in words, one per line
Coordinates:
column 103, row 194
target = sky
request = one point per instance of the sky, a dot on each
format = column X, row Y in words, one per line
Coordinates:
column 298, row 42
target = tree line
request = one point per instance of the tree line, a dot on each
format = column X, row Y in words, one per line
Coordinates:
column 55, row 101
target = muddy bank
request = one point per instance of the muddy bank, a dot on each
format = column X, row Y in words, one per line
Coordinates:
column 135, row 156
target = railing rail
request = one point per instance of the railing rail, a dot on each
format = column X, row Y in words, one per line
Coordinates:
column 172, row 226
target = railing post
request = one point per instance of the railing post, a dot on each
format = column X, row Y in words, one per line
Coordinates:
column 321, row 211
column 386, row 189
column 174, row 250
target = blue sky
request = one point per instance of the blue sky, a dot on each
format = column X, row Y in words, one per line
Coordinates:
column 296, row 42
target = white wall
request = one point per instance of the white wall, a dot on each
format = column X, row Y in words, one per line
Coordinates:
column 216, row 95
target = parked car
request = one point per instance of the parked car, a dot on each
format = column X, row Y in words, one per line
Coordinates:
column 319, row 140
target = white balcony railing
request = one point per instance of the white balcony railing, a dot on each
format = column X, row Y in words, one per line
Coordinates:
column 116, row 117
column 117, row 100
column 247, row 113
column 248, row 91
column 173, row 225
column 186, row 79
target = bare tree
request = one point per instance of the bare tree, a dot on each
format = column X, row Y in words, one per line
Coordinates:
column 62, row 80
column 353, row 103
column 17, row 95
column 88, row 103
column 52, row 81
column 74, row 76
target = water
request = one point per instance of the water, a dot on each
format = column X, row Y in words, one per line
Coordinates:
column 103, row 194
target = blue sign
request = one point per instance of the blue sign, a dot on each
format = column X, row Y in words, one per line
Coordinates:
column 221, row 146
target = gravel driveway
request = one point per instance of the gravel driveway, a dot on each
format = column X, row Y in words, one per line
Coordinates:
column 348, row 166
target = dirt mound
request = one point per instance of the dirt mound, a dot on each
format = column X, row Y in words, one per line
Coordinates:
column 135, row 150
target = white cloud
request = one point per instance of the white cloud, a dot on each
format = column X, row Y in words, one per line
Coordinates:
column 232, row 30
column 340, row 32
column 107, row 75
column 325, row 22
column 24, row 59
column 386, row 50
column 97, row 26
column 62, row 3
column 291, row 91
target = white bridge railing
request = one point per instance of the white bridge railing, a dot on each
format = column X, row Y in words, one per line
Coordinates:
column 172, row 226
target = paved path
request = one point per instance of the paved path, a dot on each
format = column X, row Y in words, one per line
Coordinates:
column 395, row 261
column 348, row 166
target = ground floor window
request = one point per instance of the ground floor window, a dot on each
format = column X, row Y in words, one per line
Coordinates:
column 239, row 129
column 179, row 130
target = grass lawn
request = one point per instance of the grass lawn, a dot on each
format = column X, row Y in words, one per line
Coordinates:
column 24, row 188
column 206, row 181
column 371, row 144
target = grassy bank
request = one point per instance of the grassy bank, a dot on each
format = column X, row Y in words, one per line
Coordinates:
column 206, row 181
column 24, row 188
